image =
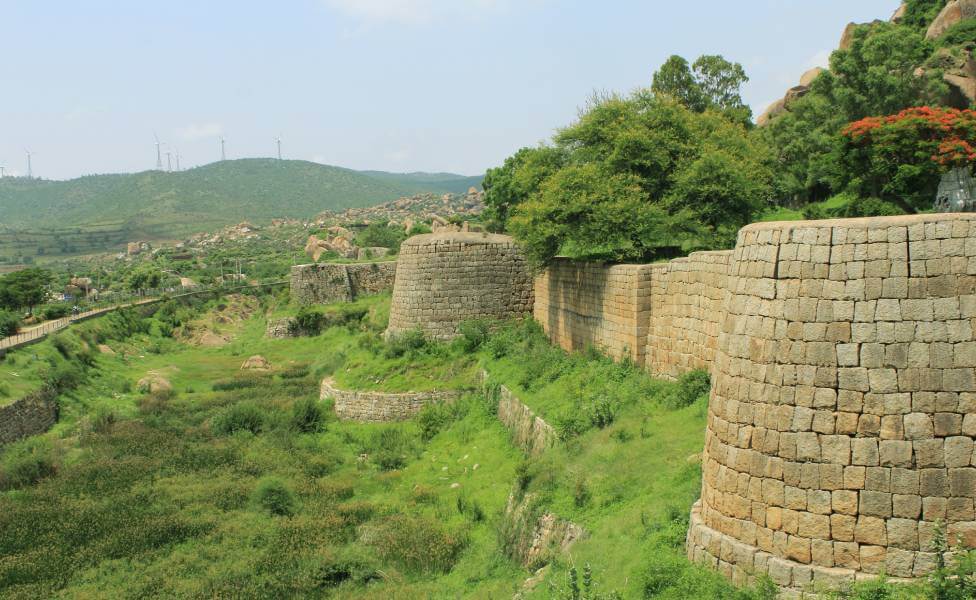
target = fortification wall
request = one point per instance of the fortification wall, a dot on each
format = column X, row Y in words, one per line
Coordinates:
column 687, row 306
column 380, row 407
column 842, row 416
column 444, row 279
column 583, row 304
column 33, row 414
column 325, row 283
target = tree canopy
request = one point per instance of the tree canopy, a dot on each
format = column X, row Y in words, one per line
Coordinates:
column 634, row 178
column 710, row 83
column 24, row 289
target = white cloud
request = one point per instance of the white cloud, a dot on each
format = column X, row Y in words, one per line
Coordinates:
column 414, row 12
column 199, row 131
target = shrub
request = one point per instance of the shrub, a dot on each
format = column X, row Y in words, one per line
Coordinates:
column 308, row 321
column 65, row 375
column 243, row 416
column 307, row 416
column 602, row 412
column 9, row 323
column 236, row 383
column 26, row 464
column 55, row 311
column 272, row 495
column 352, row 566
column 409, row 341
column 690, row 387
column 474, row 334
column 580, row 590
column 418, row 544
column 432, row 418
column 390, row 448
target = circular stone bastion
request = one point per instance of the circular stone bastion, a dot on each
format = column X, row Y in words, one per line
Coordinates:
column 842, row 414
column 444, row 279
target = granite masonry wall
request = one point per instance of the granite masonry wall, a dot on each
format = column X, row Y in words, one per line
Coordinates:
column 325, row 283
column 662, row 316
column 529, row 431
column 444, row 279
column 33, row 414
column 380, row 407
column 842, row 415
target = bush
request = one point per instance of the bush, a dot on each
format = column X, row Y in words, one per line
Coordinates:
column 352, row 566
column 474, row 334
column 418, row 544
column 64, row 376
column 307, row 416
column 690, row 387
column 9, row 323
column 243, row 416
column 308, row 321
column 272, row 495
column 406, row 342
column 432, row 418
column 55, row 311
column 26, row 464
column 390, row 448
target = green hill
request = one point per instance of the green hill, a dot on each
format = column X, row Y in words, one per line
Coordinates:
column 98, row 212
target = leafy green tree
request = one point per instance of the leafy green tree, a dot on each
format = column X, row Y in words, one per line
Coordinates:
column 25, row 288
column 920, row 13
column 144, row 277
column 381, row 235
column 518, row 178
column 711, row 82
column 641, row 176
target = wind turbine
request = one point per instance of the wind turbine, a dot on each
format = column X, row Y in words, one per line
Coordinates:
column 30, row 172
column 278, row 141
column 177, row 159
column 1, row 171
column 223, row 153
column 169, row 161
column 159, row 157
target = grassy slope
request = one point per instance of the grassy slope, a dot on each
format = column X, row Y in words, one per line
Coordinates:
column 160, row 501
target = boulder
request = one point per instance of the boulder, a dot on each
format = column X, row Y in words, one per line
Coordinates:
column 807, row 78
column 256, row 363
column 954, row 12
column 963, row 86
column 793, row 94
column 774, row 110
column 342, row 232
column 847, row 38
column 899, row 13
column 153, row 383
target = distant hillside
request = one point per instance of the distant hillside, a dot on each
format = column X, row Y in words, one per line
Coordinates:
column 98, row 212
column 448, row 182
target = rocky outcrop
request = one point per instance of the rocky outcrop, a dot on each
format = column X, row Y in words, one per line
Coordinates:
column 153, row 383
column 899, row 13
column 533, row 538
column 256, row 363
column 954, row 12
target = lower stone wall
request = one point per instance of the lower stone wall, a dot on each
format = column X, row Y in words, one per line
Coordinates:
column 33, row 414
column 326, row 283
column 380, row 407
column 529, row 432
column 280, row 328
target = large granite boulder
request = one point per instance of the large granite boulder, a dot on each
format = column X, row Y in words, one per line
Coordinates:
column 954, row 12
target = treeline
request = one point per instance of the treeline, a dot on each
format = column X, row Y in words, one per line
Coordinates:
column 679, row 166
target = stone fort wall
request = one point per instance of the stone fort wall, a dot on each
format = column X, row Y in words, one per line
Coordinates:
column 444, row 279
column 326, row 283
column 662, row 316
column 33, row 414
column 842, row 415
column 380, row 407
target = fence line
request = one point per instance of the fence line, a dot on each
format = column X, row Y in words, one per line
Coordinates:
column 152, row 296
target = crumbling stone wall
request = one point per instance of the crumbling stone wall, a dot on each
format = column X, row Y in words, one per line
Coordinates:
column 380, row 407
column 33, row 414
column 842, row 415
column 444, row 279
column 529, row 432
column 326, row 283
column 687, row 306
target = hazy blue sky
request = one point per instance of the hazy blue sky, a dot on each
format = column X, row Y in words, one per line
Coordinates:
column 402, row 85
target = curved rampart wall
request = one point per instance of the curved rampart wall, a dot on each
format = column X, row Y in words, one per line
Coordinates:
column 380, row 407
column 842, row 415
column 444, row 279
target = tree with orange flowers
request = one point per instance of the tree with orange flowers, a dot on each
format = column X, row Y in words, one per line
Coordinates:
column 900, row 158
